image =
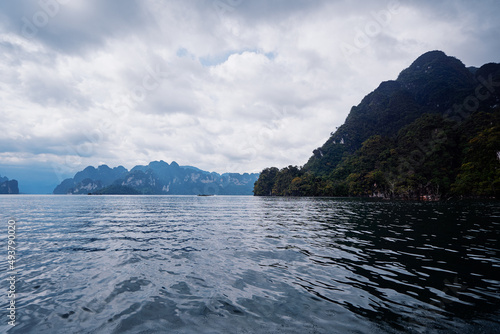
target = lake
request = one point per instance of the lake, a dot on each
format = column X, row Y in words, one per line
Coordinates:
column 243, row 264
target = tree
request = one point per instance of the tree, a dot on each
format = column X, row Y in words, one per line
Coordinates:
column 264, row 185
column 480, row 172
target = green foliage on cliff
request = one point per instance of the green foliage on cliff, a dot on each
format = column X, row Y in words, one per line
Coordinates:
column 479, row 174
column 431, row 134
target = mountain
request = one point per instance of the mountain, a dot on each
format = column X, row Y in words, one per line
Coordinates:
column 91, row 179
column 8, row 186
column 414, row 137
column 157, row 178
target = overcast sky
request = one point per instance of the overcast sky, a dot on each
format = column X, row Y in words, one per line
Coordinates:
column 223, row 85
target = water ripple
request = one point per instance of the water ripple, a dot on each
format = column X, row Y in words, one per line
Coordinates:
column 187, row 264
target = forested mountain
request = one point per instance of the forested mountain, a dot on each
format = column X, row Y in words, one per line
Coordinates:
column 157, row 178
column 8, row 186
column 433, row 132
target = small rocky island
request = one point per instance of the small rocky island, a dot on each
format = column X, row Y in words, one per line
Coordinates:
column 8, row 186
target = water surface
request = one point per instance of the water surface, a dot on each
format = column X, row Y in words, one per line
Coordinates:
column 236, row 264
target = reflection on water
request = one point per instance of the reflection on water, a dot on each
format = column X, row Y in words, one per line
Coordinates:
column 180, row 264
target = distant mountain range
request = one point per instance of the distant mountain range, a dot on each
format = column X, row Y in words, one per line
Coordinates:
column 432, row 133
column 157, row 178
column 8, row 186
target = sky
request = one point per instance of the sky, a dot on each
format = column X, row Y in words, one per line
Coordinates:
column 223, row 85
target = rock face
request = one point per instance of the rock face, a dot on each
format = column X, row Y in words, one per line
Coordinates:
column 157, row 178
column 8, row 186
column 90, row 179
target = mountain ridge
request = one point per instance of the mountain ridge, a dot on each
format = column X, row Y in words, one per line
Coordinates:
column 156, row 178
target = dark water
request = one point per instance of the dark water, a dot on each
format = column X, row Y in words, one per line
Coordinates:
column 148, row 264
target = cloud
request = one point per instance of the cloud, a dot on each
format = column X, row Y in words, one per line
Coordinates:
column 222, row 85
column 74, row 26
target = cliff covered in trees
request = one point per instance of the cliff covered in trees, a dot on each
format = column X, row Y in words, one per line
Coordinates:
column 432, row 133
